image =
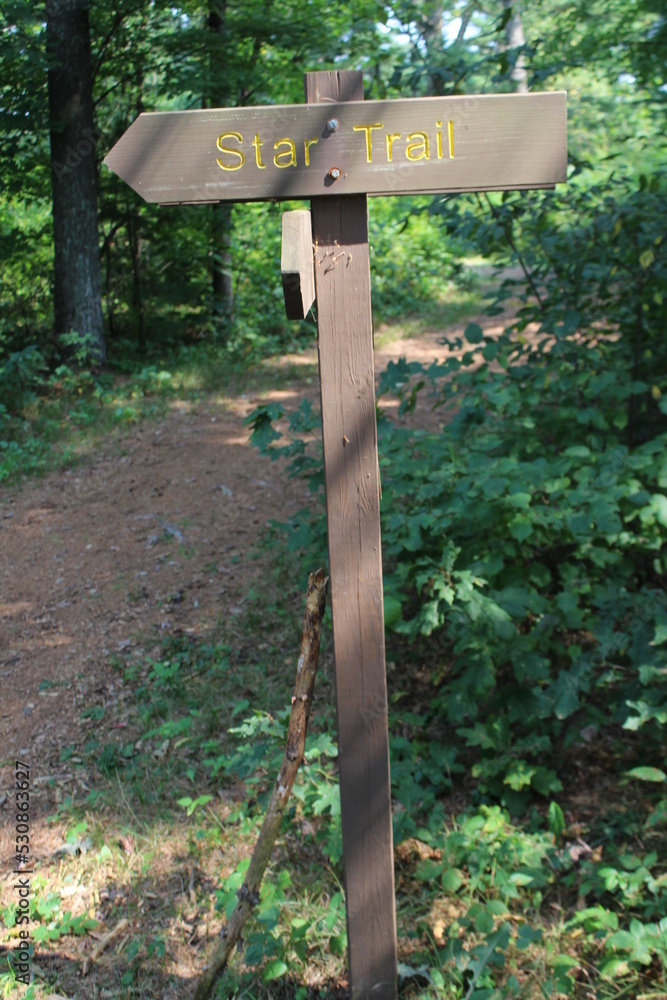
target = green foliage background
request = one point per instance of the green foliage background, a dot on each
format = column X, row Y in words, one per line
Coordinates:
column 524, row 539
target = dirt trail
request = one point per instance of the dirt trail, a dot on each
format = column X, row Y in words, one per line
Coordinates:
column 149, row 538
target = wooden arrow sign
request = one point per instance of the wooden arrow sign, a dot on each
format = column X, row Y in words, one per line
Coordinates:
column 427, row 145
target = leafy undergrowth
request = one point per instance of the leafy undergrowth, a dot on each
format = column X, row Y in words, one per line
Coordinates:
column 569, row 899
column 52, row 417
column 52, row 422
column 525, row 599
column 56, row 406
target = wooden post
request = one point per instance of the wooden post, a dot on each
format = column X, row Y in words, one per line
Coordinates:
column 345, row 341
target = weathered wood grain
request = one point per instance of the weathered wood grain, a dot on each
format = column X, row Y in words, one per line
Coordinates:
column 474, row 143
column 296, row 263
column 345, row 338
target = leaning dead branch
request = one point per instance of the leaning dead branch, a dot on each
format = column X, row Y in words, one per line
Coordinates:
column 102, row 945
column 248, row 894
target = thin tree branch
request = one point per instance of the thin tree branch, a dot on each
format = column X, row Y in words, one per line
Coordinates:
column 248, row 894
column 110, row 235
column 510, row 240
column 465, row 21
column 101, row 52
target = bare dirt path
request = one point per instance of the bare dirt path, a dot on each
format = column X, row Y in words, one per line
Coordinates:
column 150, row 538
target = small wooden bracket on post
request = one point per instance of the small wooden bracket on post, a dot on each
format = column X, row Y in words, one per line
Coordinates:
column 296, row 263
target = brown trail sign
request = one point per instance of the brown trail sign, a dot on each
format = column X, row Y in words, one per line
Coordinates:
column 429, row 144
column 336, row 150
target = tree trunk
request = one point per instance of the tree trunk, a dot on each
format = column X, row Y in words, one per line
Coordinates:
column 221, row 262
column 134, row 238
column 433, row 40
column 221, row 214
column 77, row 278
column 515, row 39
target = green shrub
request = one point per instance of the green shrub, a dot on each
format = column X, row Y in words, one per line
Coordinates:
column 524, row 541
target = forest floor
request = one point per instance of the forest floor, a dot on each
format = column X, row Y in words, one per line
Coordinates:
column 154, row 535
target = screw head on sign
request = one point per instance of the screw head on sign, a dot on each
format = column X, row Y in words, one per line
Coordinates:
column 332, row 124
column 334, row 173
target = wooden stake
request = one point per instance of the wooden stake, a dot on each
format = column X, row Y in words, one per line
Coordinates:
column 296, row 740
column 345, row 340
